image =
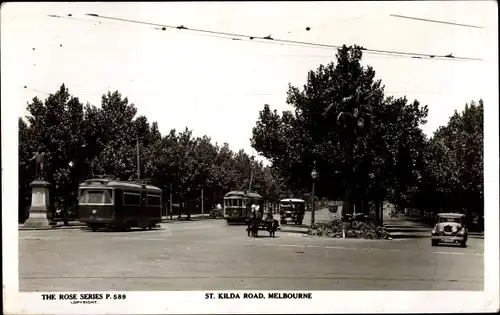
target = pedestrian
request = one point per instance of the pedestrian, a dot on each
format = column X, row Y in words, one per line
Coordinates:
column 251, row 219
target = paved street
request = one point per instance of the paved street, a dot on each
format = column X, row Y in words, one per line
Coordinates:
column 208, row 255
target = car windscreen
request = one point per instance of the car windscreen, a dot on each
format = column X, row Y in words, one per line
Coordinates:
column 447, row 219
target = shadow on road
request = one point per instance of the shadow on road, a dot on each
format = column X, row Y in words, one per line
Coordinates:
column 448, row 245
column 107, row 230
column 409, row 236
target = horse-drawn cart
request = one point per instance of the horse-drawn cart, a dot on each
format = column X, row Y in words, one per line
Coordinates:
column 257, row 223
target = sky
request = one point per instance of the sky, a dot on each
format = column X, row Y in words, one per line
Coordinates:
column 215, row 86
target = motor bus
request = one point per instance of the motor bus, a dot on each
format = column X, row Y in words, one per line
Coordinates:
column 292, row 211
column 110, row 203
column 238, row 205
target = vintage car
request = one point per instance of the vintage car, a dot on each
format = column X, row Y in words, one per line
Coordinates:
column 292, row 211
column 450, row 228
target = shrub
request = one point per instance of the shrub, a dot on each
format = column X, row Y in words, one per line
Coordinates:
column 352, row 229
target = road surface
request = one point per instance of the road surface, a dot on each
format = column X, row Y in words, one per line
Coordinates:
column 209, row 255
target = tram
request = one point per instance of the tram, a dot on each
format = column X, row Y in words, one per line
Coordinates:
column 107, row 202
column 292, row 211
column 238, row 205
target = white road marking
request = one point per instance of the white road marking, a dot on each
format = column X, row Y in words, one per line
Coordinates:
column 296, row 234
column 448, row 253
column 254, row 244
column 139, row 238
column 35, row 238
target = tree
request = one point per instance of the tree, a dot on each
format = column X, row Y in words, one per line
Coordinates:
column 331, row 113
column 86, row 141
column 27, row 146
column 367, row 147
column 455, row 167
column 56, row 126
column 115, row 139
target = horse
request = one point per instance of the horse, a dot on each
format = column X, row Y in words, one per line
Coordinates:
column 253, row 226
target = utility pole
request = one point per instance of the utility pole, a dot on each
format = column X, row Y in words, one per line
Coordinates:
column 251, row 175
column 313, row 212
column 202, row 211
column 170, row 204
column 138, row 158
column 314, row 176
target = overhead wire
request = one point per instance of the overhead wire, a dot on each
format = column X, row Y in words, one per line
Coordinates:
column 255, row 40
column 35, row 90
column 270, row 39
column 70, row 17
column 264, row 40
column 434, row 21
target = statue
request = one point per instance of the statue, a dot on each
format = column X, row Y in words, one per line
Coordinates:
column 39, row 158
column 40, row 194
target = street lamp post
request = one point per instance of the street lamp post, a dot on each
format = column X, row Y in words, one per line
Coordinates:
column 314, row 176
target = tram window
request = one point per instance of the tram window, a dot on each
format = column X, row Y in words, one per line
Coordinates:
column 83, row 195
column 240, row 203
column 131, row 198
column 95, row 196
column 108, row 197
column 153, row 200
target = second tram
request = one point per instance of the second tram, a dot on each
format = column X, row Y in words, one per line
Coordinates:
column 238, row 205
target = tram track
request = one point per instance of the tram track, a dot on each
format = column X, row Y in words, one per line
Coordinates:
column 341, row 276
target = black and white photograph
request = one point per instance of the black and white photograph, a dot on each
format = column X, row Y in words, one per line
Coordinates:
column 214, row 157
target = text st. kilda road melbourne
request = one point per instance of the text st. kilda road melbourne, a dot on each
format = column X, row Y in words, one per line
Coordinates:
column 229, row 296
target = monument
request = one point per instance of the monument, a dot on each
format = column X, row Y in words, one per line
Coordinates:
column 40, row 201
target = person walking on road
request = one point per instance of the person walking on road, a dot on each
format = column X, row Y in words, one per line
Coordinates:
column 251, row 219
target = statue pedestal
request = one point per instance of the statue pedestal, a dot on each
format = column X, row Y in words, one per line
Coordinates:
column 39, row 205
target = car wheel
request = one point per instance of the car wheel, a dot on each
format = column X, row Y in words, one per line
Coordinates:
column 434, row 243
column 463, row 244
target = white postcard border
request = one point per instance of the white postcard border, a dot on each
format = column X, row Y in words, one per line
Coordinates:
column 194, row 301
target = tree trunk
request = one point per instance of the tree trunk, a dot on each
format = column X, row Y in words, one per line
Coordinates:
column 365, row 207
column 348, row 205
column 379, row 212
column 65, row 216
